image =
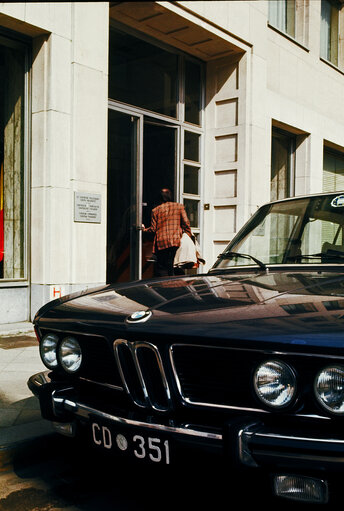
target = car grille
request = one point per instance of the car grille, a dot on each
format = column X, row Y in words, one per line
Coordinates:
column 99, row 364
column 223, row 377
column 214, row 376
column 143, row 375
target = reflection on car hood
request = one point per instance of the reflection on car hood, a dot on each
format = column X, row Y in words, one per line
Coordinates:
column 294, row 307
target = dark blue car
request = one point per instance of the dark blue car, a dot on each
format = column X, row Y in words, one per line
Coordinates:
column 244, row 363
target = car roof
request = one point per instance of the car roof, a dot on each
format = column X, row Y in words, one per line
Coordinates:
column 306, row 196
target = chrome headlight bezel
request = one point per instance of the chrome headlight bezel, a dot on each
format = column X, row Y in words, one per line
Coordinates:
column 69, row 349
column 54, row 340
column 289, row 389
column 317, row 393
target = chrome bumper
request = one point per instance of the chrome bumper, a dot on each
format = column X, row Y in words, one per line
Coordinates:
column 63, row 405
column 249, row 441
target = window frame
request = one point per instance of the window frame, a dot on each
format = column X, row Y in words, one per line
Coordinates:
column 336, row 154
column 291, row 161
column 180, row 100
column 288, row 24
column 178, row 121
column 332, row 53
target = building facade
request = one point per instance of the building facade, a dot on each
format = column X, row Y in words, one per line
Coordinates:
column 229, row 104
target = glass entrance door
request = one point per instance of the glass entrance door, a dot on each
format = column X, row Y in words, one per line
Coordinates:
column 123, row 197
column 142, row 159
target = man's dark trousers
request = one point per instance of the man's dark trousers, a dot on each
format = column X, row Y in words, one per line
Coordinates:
column 164, row 263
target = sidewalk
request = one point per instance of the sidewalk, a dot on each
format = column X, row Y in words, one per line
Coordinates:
column 20, row 420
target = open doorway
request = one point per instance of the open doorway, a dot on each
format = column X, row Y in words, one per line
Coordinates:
column 159, row 171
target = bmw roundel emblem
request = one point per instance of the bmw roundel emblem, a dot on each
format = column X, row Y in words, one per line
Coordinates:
column 338, row 202
column 139, row 316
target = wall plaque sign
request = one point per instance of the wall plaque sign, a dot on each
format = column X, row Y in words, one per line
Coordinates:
column 87, row 207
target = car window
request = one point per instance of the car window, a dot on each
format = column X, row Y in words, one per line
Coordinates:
column 269, row 240
column 308, row 230
column 317, row 233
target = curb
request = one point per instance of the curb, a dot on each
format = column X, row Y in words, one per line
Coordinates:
column 9, row 329
column 23, row 441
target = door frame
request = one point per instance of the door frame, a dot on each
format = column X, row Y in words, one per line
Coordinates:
column 161, row 120
column 142, row 116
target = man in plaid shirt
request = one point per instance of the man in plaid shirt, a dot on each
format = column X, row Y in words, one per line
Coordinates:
column 169, row 221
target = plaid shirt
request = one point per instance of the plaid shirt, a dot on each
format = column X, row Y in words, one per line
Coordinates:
column 169, row 221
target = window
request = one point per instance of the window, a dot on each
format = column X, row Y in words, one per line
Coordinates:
column 282, row 15
column 299, row 308
column 318, row 233
column 333, row 171
column 329, row 32
column 334, row 305
column 154, row 78
column 142, row 74
column 282, row 164
column 191, row 187
column 12, row 165
column 191, row 179
column 193, row 81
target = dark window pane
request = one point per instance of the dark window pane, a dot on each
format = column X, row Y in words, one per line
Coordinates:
column 192, row 92
column 191, row 146
column 191, row 179
column 142, row 74
column 299, row 308
column 192, row 207
column 120, row 211
column 334, row 305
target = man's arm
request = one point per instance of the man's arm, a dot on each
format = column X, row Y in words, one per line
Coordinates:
column 152, row 227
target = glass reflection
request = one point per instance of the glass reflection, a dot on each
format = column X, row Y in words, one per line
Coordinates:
column 12, row 191
column 191, row 207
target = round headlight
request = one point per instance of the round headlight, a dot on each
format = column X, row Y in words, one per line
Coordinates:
column 275, row 383
column 70, row 354
column 47, row 349
column 329, row 389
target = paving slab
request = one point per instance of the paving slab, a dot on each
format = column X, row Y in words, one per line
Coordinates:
column 22, row 430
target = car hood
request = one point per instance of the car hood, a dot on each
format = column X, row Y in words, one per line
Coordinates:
column 294, row 307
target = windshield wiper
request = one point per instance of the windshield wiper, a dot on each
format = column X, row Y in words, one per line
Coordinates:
column 229, row 254
column 331, row 254
column 306, row 256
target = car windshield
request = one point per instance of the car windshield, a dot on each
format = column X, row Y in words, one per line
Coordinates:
column 297, row 231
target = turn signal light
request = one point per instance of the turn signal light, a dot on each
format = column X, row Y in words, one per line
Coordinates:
column 301, row 488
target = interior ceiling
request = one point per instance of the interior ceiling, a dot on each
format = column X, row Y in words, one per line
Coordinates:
column 157, row 21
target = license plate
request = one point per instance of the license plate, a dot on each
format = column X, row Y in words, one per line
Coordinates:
column 152, row 448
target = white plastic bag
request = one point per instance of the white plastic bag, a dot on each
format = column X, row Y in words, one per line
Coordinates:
column 186, row 253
